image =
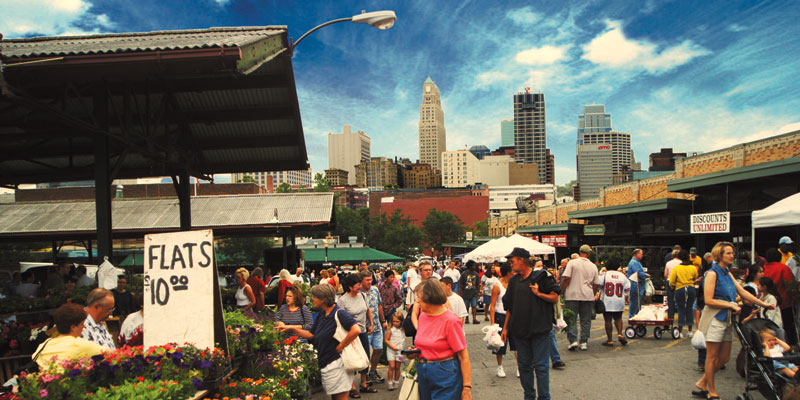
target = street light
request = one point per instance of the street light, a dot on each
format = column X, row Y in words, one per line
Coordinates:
column 380, row 19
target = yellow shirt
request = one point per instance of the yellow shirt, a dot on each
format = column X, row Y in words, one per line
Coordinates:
column 696, row 260
column 785, row 257
column 682, row 276
column 65, row 347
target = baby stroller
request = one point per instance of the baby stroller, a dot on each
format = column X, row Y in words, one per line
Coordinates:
column 758, row 371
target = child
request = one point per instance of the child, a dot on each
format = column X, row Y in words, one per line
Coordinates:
column 774, row 347
column 394, row 342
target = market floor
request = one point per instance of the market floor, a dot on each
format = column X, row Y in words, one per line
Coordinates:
column 646, row 368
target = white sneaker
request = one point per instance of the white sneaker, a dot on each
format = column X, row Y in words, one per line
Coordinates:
column 572, row 346
column 691, row 334
column 517, row 373
column 501, row 373
column 682, row 335
column 584, row 347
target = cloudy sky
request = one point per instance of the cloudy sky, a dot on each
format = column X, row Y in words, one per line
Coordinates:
column 695, row 76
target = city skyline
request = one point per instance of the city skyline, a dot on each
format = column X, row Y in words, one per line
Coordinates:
column 712, row 74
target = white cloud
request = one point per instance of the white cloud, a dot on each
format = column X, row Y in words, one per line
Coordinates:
column 541, row 55
column 612, row 49
column 524, row 16
column 736, row 28
column 721, row 143
column 222, row 3
column 490, row 77
column 50, row 17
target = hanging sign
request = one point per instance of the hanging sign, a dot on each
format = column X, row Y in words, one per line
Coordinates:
column 719, row 222
column 555, row 240
column 594, row 230
column 179, row 289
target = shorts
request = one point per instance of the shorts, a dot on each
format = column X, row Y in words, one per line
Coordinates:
column 719, row 331
column 609, row 315
column 375, row 339
column 487, row 299
column 471, row 302
column 392, row 355
column 335, row 378
column 500, row 319
column 779, row 366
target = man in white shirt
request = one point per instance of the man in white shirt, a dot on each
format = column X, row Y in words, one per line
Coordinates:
column 452, row 273
column 298, row 277
column 578, row 286
column 456, row 302
column 671, row 293
column 83, row 279
column 613, row 287
column 412, row 280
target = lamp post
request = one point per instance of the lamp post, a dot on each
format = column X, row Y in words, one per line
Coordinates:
column 380, row 19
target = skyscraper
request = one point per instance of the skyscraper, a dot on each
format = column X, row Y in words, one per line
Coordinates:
column 346, row 150
column 530, row 137
column 507, row 133
column 432, row 141
column 594, row 128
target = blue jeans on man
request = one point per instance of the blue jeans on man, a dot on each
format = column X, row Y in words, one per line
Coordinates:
column 670, row 303
column 440, row 380
column 555, row 356
column 636, row 296
column 583, row 311
column 533, row 355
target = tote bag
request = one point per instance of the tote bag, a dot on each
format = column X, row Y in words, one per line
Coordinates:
column 410, row 388
column 353, row 355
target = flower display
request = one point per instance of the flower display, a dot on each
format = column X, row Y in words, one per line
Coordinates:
column 21, row 338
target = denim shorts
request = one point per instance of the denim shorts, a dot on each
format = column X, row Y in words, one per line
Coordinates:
column 487, row 300
column 375, row 339
column 471, row 302
column 779, row 365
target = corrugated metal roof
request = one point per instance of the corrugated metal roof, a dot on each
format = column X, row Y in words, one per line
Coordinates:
column 163, row 214
column 128, row 42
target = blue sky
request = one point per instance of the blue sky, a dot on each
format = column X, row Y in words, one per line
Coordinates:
column 695, row 76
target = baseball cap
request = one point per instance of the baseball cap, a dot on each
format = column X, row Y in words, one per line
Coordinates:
column 693, row 250
column 585, row 249
column 519, row 252
column 785, row 240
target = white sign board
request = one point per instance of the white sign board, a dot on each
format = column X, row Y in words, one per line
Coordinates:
column 711, row 223
column 178, row 288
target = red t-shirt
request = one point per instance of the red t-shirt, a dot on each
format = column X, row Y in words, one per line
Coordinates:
column 780, row 274
column 258, row 287
column 440, row 336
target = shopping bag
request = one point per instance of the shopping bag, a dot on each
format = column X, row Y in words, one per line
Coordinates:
column 410, row 388
column 649, row 289
column 698, row 340
column 560, row 323
column 353, row 355
column 492, row 336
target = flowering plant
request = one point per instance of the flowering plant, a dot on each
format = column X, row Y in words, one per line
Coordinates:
column 142, row 388
column 292, row 361
column 248, row 333
column 21, row 338
column 261, row 389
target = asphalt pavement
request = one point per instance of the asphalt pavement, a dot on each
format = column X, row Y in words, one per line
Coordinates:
column 647, row 368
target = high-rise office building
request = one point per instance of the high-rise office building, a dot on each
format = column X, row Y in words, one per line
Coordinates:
column 530, row 137
column 594, row 119
column 507, row 133
column 432, row 138
column 346, row 150
column 594, row 169
column 376, row 173
column 336, row 176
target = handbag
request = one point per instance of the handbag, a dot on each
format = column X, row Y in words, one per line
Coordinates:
column 599, row 306
column 408, row 325
column 353, row 355
column 410, row 389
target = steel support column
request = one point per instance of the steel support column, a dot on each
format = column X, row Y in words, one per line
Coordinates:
column 102, row 175
column 283, row 251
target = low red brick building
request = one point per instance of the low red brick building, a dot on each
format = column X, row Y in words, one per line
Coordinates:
column 469, row 208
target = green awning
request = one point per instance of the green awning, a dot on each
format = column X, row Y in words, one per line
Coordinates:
column 679, row 205
column 750, row 172
column 348, row 255
column 550, row 228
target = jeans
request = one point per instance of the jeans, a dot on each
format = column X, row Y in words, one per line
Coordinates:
column 583, row 311
column 670, row 302
column 364, row 338
column 440, row 380
column 684, row 299
column 555, row 356
column 533, row 355
column 637, row 293
column 701, row 357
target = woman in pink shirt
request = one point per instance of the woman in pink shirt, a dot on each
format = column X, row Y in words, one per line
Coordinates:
column 444, row 371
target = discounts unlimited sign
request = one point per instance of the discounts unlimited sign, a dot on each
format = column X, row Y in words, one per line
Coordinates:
column 555, row 240
column 711, row 223
column 179, row 277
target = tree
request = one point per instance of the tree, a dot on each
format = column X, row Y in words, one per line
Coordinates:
column 394, row 234
column 321, row 183
column 391, row 186
column 480, row 228
column 441, row 227
column 351, row 222
column 246, row 179
column 244, row 250
column 284, row 187
column 566, row 190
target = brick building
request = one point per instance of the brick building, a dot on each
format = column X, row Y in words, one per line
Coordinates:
column 420, row 176
column 336, row 176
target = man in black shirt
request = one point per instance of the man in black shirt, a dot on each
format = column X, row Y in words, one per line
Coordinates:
column 468, row 288
column 529, row 303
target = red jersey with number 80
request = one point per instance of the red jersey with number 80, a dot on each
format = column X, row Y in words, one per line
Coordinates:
column 614, row 285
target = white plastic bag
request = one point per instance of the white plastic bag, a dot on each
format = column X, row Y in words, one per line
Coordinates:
column 492, row 336
column 107, row 275
column 698, row 340
column 560, row 324
column 649, row 289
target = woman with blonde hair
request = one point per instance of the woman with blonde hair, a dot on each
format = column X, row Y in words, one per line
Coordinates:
column 719, row 292
column 245, row 299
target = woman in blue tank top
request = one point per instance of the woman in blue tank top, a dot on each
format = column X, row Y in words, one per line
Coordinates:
column 719, row 293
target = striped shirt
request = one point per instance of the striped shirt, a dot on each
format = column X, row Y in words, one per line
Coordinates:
column 301, row 316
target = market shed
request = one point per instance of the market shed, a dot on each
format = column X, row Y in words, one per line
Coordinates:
column 171, row 103
column 348, row 255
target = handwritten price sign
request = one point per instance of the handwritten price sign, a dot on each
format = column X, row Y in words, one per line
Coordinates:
column 178, row 288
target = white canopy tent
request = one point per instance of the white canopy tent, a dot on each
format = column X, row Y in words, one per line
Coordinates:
column 497, row 249
column 783, row 213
